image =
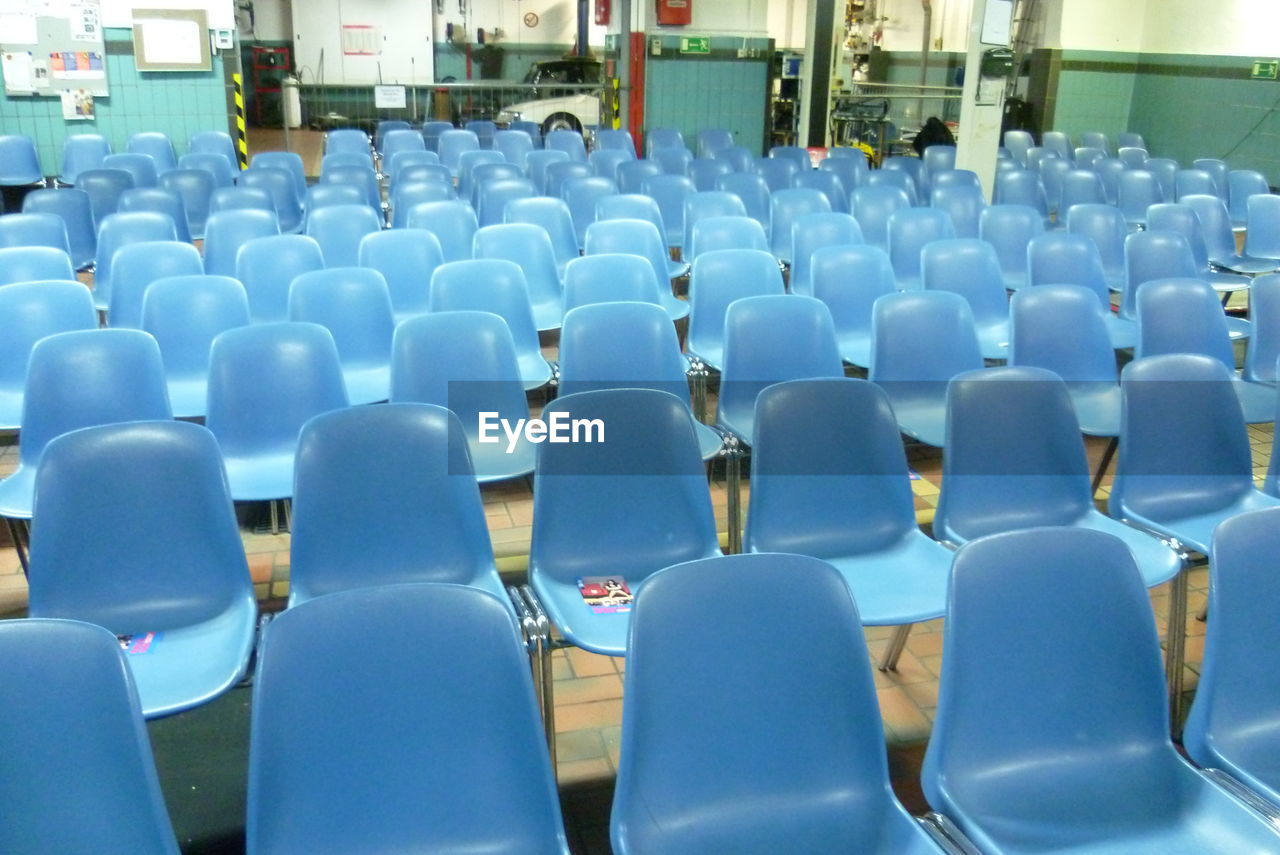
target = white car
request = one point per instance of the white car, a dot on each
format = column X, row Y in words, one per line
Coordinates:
column 572, row 110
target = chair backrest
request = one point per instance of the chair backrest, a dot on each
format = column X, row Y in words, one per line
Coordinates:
column 1133, row 157
column 873, row 206
column 581, row 195
column 1262, row 237
column 852, row 171
column 963, row 203
column 849, row 278
column 578, row 524
column 617, row 345
column 195, row 189
column 909, row 231
column 609, row 277
column 89, row 377
column 1219, row 171
column 29, row 311
column 1264, row 344
column 361, row 177
column 453, row 223
column 266, row 380
column 912, row 166
column 1061, row 328
column 631, row 174
column 1129, row 138
column 76, row 210
column 468, row 161
column 633, row 206
column 406, row 258
column 227, row 231
column 604, row 161
column 705, row 170
column 674, row 161
column 452, row 143
column 1189, row 181
column 713, row 140
column 1010, row 229
column 568, row 141
column 267, row 265
column 708, row 203
column 655, row 138
column 968, row 267
column 718, row 278
column 160, row 200
column 670, row 191
column 1019, row 143
column 1058, row 143
column 354, row 305
column 157, row 145
column 952, row 177
column 1184, row 449
column 1215, row 224
column 1096, row 139
column 1182, row 316
column 752, row 191
column 395, row 762
column 1051, row 172
column 785, row 207
column 83, row 724
column 1154, row 254
column 531, row 129
column 899, row 178
column 760, row 335
column 33, row 229
column 288, row 160
column 553, row 215
column 633, row 237
column 741, row 158
column 412, row 167
column 431, row 131
column 34, row 263
column 239, row 198
column 408, row 464
column 393, row 140
column 1022, row 187
column 136, row 266
column 529, row 246
column 81, row 152
column 514, row 145
column 811, row 232
column 1059, row 258
column 1233, row 708
column 1241, row 184
column 484, row 130
column 279, row 184
column 1105, row 226
column 1137, row 190
column 221, row 169
column 1014, row 456
column 141, row 166
column 346, row 139
column 777, row 172
column 992, row 719
column 711, row 233
column 920, row 340
column 825, row 182
column 104, row 187
column 408, row 194
column 537, row 161
column 614, row 139
column 117, row 230
column 829, row 757
column 493, row 186
column 1176, row 217
column 1081, row 187
column 494, row 285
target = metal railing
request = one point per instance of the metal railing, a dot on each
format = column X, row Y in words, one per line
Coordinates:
column 877, row 113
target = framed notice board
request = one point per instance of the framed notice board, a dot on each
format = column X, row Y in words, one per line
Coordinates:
column 171, row 40
column 48, row 46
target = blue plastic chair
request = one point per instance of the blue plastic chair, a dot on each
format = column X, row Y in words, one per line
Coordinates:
column 635, row 206
column 424, row 163
column 1051, row 172
column 852, row 171
column 220, row 169
column 641, row 238
column 279, row 185
column 1230, row 727
column 752, row 191
column 324, row 195
column 963, row 203
column 537, row 161
column 76, row 210
column 1023, row 187
column 711, row 141
column 670, row 192
column 265, row 381
column 1090, row 152
column 338, row 229
column 227, row 231
column 604, row 162
column 34, row 263
column 1130, row 139
column 586, row 526
column 407, row 466
column 402, row 739
column 1184, row 463
column 19, row 163
column 408, row 194
column 1264, row 315
column 656, row 138
column 1153, row 254
column 82, row 724
column 919, row 341
column 849, row 279
column 631, row 174
column 1104, row 225
column 141, row 166
column 465, row 361
column 776, row 172
column 112, row 503
column 1215, row 223
column 240, row 198
column 1096, row 139
column 553, row 215
column 1061, row 328
column 532, row 129
column 1137, row 190
column 515, row 146
column 157, row 145
column 811, row 232
column 708, row 203
column 347, row 139
column 937, row 158
column 718, row 278
column 391, row 140
column 494, row 285
column 898, row 178
column 785, row 208
column 1241, row 184
column 78, row 379
column 406, row 258
column 581, row 195
column 704, row 171
column 1116, row 782
column 29, row 311
column 431, row 131
column 970, row 268
column 494, row 194
column 1262, row 237
column 568, row 141
column 1018, row 144
column 796, row 154
column 734, row 232
column 1191, row 181
column 872, row 206
column 909, row 231
column 815, row 773
column 625, row 345
column 267, row 266
column 951, row 177
column 354, row 305
column 195, row 188
column 1010, row 229
column 828, row 452
column 827, row 183
column 161, row 201
column 469, row 160
column 217, row 142
column 288, row 160
column 136, row 266
column 453, row 223
column 1185, row 316
column 184, row 314
column 610, row 277
column 117, row 230
column 34, row 229
column 81, row 152
column 529, row 247
column 1109, row 170
column 104, row 187
column 614, row 139
column 1184, row 220
column 363, row 178
column 1081, row 187
column 1058, row 143
column 1218, row 170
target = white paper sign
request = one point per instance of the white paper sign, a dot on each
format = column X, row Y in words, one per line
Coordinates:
column 389, row 97
column 996, row 22
column 170, row 42
column 19, row 29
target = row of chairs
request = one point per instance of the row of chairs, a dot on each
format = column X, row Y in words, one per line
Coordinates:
column 147, row 155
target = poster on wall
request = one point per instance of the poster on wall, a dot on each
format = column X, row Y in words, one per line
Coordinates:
column 52, row 45
column 77, row 104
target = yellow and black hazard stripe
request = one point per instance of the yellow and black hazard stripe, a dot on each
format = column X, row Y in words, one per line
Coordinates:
column 242, row 140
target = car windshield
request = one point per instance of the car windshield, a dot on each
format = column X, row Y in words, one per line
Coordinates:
column 563, row 72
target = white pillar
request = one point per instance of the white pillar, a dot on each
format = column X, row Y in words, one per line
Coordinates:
column 982, row 108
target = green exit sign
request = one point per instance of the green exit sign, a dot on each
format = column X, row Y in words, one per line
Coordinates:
column 695, row 44
column 1265, row 69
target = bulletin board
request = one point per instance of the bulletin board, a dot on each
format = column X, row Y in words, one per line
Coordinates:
column 48, row 46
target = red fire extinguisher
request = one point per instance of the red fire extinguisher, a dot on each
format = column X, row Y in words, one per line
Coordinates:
column 602, row 12
column 675, row 13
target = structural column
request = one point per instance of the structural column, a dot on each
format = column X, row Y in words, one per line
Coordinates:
column 982, row 108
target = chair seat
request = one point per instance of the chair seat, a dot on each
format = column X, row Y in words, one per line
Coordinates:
column 10, row 408
column 261, row 478
column 367, row 384
column 548, row 314
column 993, row 339
column 17, row 493
column 1122, row 331
column 1225, row 282
column 1258, row 401
column 1097, row 406
column 1238, row 328
column 712, row 356
column 1196, row 531
column 535, row 371
column 1157, row 562
column 493, row 463
column 905, row 583
column 676, row 269
column 1246, row 264
column 1015, row 279
column 188, row 396
column 674, row 306
column 923, row 420
column 1256, row 746
column 709, row 442
column 189, row 666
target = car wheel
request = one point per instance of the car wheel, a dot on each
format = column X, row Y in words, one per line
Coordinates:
column 561, row 122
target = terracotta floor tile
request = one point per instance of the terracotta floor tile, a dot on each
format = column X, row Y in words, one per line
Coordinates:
column 589, row 664
column 584, row 689
column 577, row 771
column 576, row 745
column 592, row 714
column 902, row 715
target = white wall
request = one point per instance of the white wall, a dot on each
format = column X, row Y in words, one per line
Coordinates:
column 557, row 21
column 1104, row 24
column 1225, row 27
column 785, row 20
column 902, row 31
column 272, row 20
column 403, row 40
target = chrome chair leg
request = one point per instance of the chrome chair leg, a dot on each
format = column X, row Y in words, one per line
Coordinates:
column 898, row 643
column 1175, row 646
column 19, row 533
column 733, row 486
column 542, row 625
column 275, row 516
